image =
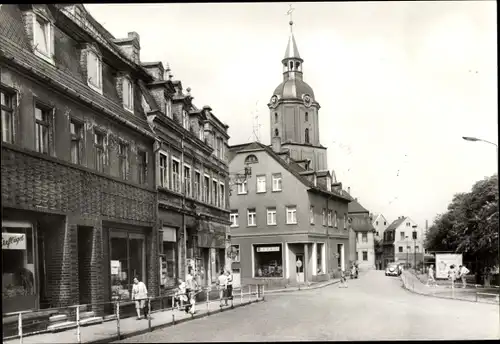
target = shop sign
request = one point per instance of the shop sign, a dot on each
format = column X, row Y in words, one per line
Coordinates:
column 13, row 241
column 115, row 267
column 268, row 249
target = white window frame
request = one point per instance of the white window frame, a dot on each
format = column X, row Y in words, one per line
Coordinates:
column 292, row 210
column 272, row 211
column 234, row 218
column 215, row 193
column 179, row 182
column 185, row 119
column 198, row 189
column 329, row 217
column 165, row 170
column 189, row 190
column 311, row 215
column 205, row 199
column 50, row 38
column 276, row 184
column 259, row 190
column 97, row 88
column 254, row 213
column 222, row 196
column 201, row 133
column 130, row 91
column 168, row 109
column 243, row 188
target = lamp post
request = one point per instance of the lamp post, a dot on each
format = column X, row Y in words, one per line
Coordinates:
column 407, row 253
column 414, row 247
column 475, row 139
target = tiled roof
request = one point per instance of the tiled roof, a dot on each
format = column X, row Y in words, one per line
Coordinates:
column 356, row 207
column 395, row 224
column 322, row 173
column 52, row 75
column 361, row 223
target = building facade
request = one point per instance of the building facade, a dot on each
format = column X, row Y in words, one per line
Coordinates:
column 362, row 236
column 289, row 220
column 380, row 223
column 403, row 242
column 80, row 146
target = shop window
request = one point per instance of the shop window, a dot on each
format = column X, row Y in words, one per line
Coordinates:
column 234, row 253
column 128, row 260
column 268, row 261
column 18, row 267
column 167, row 259
column 319, row 262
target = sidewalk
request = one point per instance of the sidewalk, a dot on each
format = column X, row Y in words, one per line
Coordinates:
column 414, row 284
column 107, row 331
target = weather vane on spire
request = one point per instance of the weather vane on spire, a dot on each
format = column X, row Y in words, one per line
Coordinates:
column 289, row 13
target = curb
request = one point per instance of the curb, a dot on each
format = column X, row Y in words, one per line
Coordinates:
column 294, row 289
column 161, row 326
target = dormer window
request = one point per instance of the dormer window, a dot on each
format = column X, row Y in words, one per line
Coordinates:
column 94, row 71
column 168, row 109
column 185, row 120
column 128, row 95
column 43, row 38
column 201, row 132
column 329, row 183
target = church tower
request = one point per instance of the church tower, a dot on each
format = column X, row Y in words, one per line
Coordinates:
column 294, row 112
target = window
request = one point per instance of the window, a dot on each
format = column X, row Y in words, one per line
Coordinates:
column 176, row 175
column 197, row 185
column 142, row 168
column 100, row 155
column 261, row 184
column 185, row 119
column 220, row 147
column 235, row 253
column 364, row 237
column 187, row 181
column 402, row 235
column 276, row 132
column 385, row 223
column 42, row 122
column 307, row 117
column 323, row 212
column 222, row 196
column 291, row 215
column 345, row 221
column 7, row 117
column 168, row 259
column 43, row 38
column 123, row 160
column 365, row 256
column 400, row 249
column 163, row 170
column 94, row 71
column 128, row 259
column 335, row 222
column 311, row 215
column 329, row 183
column 201, row 132
column 416, row 248
column 376, row 233
column 252, row 217
column 319, row 258
column 268, row 260
column 242, row 188
column 76, row 132
column 234, row 218
column 414, row 235
column 329, row 218
column 214, row 192
column 275, row 117
column 206, row 189
column 277, row 183
column 306, row 136
column 18, row 266
column 168, row 108
column 128, row 95
column 407, row 224
column 376, row 223
column 271, row 216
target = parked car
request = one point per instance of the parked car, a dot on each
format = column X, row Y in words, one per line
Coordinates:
column 393, row 270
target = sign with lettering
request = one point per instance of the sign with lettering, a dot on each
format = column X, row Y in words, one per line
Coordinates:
column 13, row 241
column 115, row 267
column 268, row 249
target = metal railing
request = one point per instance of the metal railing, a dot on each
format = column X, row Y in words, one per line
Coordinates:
column 167, row 302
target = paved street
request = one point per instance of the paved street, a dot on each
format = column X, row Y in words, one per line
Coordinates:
column 374, row 307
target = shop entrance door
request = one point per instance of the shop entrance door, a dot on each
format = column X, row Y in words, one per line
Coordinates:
column 299, row 266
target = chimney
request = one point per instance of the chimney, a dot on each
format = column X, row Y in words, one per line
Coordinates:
column 276, row 144
column 130, row 46
column 349, row 190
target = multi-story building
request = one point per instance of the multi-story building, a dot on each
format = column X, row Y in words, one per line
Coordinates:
column 380, row 224
column 82, row 138
column 289, row 221
column 403, row 242
column 362, row 239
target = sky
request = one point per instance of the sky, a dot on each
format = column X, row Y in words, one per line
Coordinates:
column 399, row 84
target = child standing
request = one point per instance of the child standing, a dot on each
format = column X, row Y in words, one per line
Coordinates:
column 343, row 279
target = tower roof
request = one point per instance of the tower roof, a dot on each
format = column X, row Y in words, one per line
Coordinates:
column 292, row 52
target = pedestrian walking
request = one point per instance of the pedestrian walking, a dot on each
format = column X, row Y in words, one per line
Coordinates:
column 430, row 276
column 343, row 279
column 452, row 275
column 462, row 273
column 139, row 295
column 190, row 292
column 222, row 286
column 180, row 294
column 229, row 284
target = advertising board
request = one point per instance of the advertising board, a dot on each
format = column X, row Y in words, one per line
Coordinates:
column 444, row 261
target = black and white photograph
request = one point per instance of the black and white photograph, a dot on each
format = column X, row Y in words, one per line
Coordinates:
column 249, row 171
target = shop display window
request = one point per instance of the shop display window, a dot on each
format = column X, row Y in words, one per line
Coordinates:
column 128, row 260
column 18, row 267
column 319, row 261
column 268, row 260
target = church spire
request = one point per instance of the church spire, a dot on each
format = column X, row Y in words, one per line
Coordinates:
column 292, row 52
column 292, row 63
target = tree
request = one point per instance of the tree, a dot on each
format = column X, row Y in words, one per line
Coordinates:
column 470, row 226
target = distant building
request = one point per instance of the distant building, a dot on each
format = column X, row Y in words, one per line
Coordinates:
column 400, row 244
column 362, row 236
column 380, row 224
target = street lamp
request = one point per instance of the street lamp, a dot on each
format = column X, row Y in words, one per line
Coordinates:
column 414, row 247
column 474, row 139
